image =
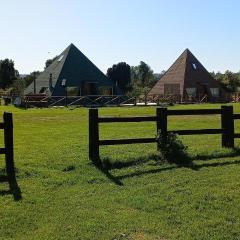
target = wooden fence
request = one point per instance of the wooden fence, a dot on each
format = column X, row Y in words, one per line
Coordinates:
column 7, row 127
column 42, row 100
column 226, row 130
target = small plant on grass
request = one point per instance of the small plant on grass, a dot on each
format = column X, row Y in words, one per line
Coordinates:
column 172, row 149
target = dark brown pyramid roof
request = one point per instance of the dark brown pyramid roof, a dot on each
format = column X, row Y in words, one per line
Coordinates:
column 186, row 71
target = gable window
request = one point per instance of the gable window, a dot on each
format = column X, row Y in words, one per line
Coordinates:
column 60, row 58
column 194, row 66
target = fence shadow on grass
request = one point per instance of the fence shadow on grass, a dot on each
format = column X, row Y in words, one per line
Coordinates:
column 153, row 160
column 107, row 173
column 233, row 153
column 110, row 164
column 14, row 189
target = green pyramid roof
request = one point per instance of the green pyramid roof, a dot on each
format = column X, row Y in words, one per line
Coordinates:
column 73, row 66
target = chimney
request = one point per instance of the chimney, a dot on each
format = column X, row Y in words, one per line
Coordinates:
column 34, row 83
column 50, row 82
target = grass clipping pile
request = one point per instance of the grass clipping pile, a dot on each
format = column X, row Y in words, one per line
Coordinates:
column 172, row 149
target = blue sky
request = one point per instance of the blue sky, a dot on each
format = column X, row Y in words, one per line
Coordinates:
column 110, row 31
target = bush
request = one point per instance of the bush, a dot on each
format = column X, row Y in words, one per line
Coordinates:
column 172, row 149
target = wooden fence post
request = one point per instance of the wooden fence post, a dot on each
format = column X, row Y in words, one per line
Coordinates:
column 227, row 126
column 162, row 122
column 94, row 136
column 8, row 140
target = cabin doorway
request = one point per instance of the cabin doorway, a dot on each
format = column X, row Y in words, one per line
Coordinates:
column 203, row 92
column 90, row 88
column 202, row 89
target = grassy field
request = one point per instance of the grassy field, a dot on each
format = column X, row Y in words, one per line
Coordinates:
column 65, row 197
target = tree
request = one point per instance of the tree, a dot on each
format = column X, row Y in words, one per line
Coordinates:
column 29, row 78
column 142, row 75
column 7, row 73
column 145, row 74
column 229, row 80
column 120, row 74
column 50, row 61
column 142, row 79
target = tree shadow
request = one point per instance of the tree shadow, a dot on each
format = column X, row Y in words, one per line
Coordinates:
column 14, row 189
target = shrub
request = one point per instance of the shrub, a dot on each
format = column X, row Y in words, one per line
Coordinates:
column 172, row 149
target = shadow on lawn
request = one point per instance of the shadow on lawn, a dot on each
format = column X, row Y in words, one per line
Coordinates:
column 111, row 164
column 233, row 153
column 14, row 189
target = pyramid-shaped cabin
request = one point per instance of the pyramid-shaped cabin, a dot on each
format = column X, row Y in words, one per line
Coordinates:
column 187, row 79
column 77, row 73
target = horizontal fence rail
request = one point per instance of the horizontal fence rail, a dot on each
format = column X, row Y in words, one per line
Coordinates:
column 127, row 141
column 126, row 119
column 198, row 131
column 194, row 112
column 161, row 119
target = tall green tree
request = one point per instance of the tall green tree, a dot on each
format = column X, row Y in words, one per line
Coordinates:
column 29, row 78
column 229, row 80
column 120, row 74
column 7, row 73
column 142, row 79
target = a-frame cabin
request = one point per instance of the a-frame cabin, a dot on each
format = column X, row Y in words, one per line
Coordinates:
column 81, row 76
column 187, row 80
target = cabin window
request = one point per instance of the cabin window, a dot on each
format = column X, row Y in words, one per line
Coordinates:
column 214, row 92
column 106, row 90
column 191, row 92
column 194, row 66
column 73, row 91
column 171, row 88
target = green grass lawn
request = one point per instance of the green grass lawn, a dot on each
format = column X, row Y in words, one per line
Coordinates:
column 65, row 197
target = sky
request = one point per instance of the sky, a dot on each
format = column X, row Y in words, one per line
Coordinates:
column 111, row 31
